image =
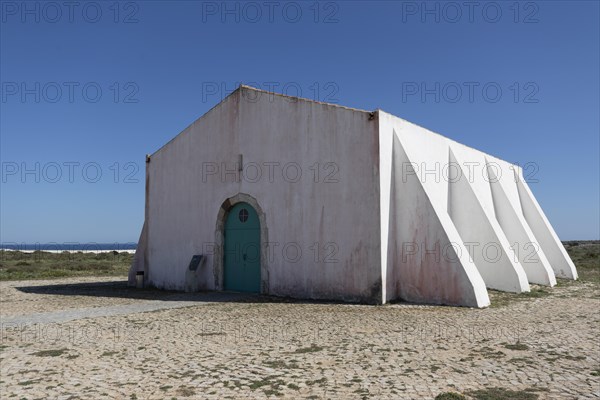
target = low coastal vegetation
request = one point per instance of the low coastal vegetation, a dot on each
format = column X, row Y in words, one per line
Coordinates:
column 586, row 256
column 19, row 265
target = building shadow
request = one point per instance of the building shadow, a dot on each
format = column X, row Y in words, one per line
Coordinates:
column 120, row 289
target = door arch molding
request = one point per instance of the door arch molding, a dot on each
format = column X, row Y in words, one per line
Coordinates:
column 218, row 267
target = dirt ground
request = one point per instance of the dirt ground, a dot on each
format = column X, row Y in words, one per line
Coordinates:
column 95, row 338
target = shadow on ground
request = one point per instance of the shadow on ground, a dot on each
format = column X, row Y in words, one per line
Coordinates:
column 120, row 289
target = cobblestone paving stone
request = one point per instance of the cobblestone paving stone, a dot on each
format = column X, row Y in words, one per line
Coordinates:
column 99, row 339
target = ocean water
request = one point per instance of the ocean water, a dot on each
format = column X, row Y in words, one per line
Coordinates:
column 69, row 246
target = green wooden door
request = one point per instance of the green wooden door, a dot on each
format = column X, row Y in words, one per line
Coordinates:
column 242, row 250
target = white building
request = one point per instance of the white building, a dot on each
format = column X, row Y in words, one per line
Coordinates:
column 292, row 197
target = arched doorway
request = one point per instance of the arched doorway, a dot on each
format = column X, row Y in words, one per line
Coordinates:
column 242, row 250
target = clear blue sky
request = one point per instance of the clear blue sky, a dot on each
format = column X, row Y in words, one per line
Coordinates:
column 163, row 64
